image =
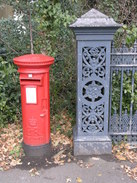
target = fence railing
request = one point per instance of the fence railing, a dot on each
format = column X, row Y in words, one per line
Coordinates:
column 123, row 94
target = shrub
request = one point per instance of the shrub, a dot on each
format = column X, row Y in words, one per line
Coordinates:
column 51, row 36
column 9, row 93
column 14, row 41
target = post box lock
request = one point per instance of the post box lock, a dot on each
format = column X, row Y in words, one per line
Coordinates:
column 43, row 114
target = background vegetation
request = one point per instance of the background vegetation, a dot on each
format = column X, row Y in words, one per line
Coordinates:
column 51, row 35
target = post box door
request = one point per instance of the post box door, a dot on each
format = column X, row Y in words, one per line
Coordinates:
column 35, row 109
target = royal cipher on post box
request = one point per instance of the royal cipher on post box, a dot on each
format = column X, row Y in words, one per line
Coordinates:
column 34, row 83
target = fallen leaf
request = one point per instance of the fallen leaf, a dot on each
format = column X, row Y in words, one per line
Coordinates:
column 125, row 152
column 122, row 166
column 58, row 154
column 33, row 172
column 131, row 172
column 68, row 180
column 69, row 160
column 10, row 146
column 95, row 158
column 120, row 157
column 88, row 165
column 78, row 179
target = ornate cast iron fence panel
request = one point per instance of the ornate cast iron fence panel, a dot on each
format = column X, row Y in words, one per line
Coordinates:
column 123, row 94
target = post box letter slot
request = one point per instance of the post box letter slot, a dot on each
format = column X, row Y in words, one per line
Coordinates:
column 33, row 81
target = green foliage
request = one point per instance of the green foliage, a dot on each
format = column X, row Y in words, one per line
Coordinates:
column 116, row 91
column 50, row 20
column 9, row 95
column 14, row 38
column 56, row 40
column 110, row 7
column 126, row 34
column 131, row 34
column 124, row 12
column 52, row 26
column 14, row 41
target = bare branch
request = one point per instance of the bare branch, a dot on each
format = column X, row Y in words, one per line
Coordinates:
column 8, row 46
column 31, row 38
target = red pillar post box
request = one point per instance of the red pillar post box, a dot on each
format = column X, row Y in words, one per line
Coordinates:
column 34, row 83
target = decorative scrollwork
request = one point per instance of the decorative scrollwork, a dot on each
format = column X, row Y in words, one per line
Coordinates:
column 128, row 138
column 134, row 123
column 93, row 76
column 93, row 91
column 93, row 119
column 87, row 71
column 94, row 61
column 86, row 110
column 122, row 124
column 114, row 122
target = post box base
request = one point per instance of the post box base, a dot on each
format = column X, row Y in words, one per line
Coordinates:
column 37, row 151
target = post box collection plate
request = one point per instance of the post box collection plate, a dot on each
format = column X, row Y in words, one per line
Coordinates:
column 31, row 97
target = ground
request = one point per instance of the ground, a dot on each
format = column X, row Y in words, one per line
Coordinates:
column 63, row 167
column 90, row 170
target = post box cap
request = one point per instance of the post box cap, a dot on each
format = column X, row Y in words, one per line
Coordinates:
column 33, row 60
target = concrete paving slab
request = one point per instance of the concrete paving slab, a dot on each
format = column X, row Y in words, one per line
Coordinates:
column 102, row 171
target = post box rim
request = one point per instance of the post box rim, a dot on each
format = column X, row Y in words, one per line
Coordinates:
column 33, row 60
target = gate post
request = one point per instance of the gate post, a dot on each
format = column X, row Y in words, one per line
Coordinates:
column 94, row 32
